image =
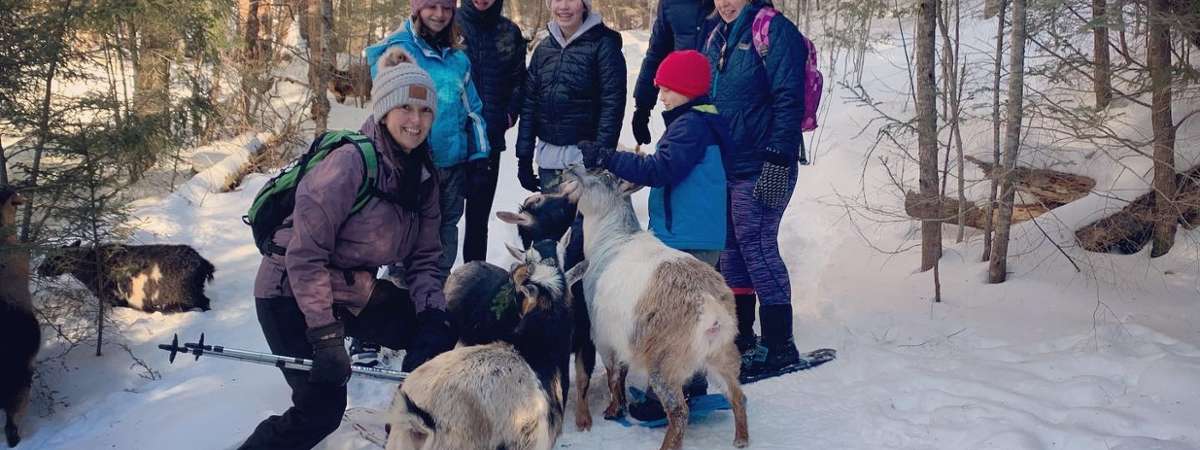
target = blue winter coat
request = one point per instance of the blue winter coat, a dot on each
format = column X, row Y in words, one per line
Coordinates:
column 687, row 199
column 453, row 140
column 679, row 26
column 763, row 98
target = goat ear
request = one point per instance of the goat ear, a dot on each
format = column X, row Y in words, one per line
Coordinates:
column 626, row 188
column 514, row 218
column 530, row 300
column 576, row 273
column 515, row 252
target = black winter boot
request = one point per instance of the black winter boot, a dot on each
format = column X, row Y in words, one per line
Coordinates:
column 779, row 354
column 649, row 408
column 746, row 340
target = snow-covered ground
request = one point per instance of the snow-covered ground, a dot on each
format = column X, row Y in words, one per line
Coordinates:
column 1104, row 358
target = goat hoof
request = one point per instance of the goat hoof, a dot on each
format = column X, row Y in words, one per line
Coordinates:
column 610, row 414
column 583, row 423
column 741, row 442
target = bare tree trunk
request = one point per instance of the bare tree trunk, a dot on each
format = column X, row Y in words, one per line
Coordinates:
column 1158, row 58
column 151, row 85
column 998, row 265
column 283, row 16
column 43, row 128
column 927, row 142
column 989, row 226
column 1120, row 20
column 319, row 50
column 952, row 106
column 1103, row 76
column 3, row 165
column 97, row 254
column 251, row 60
column 303, row 22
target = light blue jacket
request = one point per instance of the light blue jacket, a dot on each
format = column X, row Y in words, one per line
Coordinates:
column 459, row 132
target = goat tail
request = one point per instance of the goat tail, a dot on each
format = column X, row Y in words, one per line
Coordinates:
column 717, row 327
column 412, row 426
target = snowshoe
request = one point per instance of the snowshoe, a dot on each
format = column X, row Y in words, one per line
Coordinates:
column 699, row 408
column 770, row 366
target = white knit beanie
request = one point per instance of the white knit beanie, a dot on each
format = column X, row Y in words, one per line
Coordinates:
column 401, row 82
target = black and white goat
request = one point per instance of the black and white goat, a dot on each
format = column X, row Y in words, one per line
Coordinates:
column 20, row 333
column 166, row 278
column 506, row 394
column 653, row 308
column 550, row 215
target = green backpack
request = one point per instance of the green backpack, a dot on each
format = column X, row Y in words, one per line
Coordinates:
column 275, row 202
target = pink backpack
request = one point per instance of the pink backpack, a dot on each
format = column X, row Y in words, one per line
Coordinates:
column 813, row 80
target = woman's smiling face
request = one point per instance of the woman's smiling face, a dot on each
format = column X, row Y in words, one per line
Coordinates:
column 729, row 9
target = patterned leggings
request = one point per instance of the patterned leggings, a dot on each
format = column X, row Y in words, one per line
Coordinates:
column 751, row 262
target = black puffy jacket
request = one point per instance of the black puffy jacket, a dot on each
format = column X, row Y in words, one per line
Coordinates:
column 574, row 94
column 680, row 25
column 496, row 49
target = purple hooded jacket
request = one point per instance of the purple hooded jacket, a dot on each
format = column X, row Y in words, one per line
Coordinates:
column 332, row 256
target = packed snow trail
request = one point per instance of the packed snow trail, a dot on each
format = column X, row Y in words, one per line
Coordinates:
column 1053, row 359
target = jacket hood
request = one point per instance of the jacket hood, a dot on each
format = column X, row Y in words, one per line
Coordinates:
column 591, row 21
column 712, row 118
column 473, row 14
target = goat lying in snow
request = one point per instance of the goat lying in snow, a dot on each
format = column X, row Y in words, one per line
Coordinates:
column 20, row 333
column 167, row 278
column 500, row 395
column 549, row 215
column 653, row 308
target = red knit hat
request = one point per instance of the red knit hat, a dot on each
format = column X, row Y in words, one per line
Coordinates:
column 685, row 72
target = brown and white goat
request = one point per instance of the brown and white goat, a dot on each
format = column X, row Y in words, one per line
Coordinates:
column 20, row 334
column 501, row 395
column 653, row 308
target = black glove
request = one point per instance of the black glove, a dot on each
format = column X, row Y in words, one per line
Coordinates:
column 479, row 173
column 434, row 335
column 774, row 185
column 331, row 364
column 641, row 125
column 594, row 155
column 525, row 174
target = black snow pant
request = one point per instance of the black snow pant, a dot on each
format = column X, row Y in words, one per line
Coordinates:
column 388, row 319
column 479, row 210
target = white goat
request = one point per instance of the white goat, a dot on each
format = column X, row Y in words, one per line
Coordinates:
column 653, row 308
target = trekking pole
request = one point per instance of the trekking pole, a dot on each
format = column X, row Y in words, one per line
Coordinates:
column 267, row 359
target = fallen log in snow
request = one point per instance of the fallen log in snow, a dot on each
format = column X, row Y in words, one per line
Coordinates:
column 1049, row 187
column 1128, row 230
column 973, row 214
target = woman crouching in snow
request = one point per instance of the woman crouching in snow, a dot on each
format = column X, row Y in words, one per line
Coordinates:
column 322, row 286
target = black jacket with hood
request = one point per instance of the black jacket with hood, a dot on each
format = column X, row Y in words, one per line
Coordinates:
column 496, row 49
column 575, row 89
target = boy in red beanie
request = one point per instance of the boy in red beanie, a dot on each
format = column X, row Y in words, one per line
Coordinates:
column 685, row 173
